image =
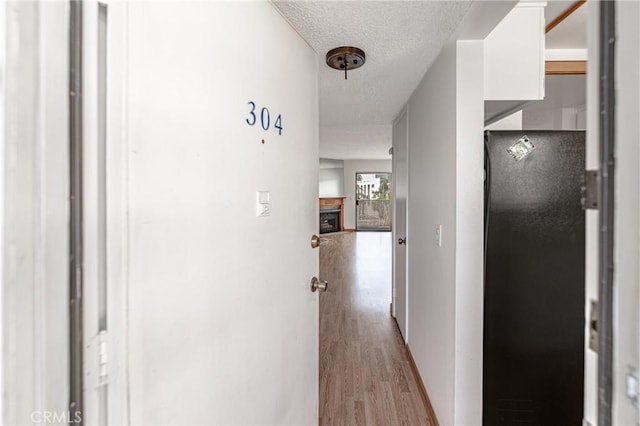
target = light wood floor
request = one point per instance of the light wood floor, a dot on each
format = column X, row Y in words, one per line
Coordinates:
column 365, row 377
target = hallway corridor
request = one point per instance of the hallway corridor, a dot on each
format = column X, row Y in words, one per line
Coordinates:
column 365, row 376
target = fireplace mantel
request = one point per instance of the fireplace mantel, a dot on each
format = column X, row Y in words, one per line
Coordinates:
column 334, row 202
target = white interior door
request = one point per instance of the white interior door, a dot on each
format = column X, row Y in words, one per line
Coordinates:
column 221, row 103
column 400, row 182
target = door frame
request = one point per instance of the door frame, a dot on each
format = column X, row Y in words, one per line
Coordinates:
column 76, row 210
column 404, row 114
column 607, row 212
column 106, row 213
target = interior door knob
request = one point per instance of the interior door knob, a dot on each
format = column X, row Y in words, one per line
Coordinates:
column 402, row 241
column 318, row 285
column 315, row 241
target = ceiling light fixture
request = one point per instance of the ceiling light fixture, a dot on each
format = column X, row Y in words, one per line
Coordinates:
column 345, row 58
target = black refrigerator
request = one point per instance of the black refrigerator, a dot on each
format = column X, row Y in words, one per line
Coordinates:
column 534, row 278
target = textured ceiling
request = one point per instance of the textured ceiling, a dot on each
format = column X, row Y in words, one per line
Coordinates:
column 401, row 40
column 356, row 142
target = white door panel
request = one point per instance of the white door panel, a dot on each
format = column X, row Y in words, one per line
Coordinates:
column 223, row 328
column 400, row 191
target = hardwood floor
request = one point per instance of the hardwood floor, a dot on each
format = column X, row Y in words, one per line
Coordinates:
column 365, row 377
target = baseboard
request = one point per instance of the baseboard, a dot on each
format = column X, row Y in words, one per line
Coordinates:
column 421, row 389
column 349, row 230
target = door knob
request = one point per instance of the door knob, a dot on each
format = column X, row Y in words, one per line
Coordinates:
column 402, row 241
column 319, row 285
column 315, row 241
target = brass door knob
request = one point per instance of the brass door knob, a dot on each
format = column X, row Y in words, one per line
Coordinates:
column 318, row 285
column 315, row 241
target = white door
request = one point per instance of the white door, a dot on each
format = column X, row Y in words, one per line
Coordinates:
column 400, row 182
column 221, row 103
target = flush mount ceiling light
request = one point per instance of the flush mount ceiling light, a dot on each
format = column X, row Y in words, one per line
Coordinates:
column 345, row 58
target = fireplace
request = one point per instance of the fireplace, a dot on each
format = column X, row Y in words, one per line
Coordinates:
column 331, row 214
column 329, row 220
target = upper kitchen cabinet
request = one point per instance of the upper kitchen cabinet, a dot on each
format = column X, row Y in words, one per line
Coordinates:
column 514, row 54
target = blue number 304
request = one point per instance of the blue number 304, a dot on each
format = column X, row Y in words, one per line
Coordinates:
column 265, row 118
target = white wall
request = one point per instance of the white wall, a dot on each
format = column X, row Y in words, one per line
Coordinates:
column 445, row 152
column 446, row 188
column 627, row 209
column 3, row 144
column 432, row 202
column 563, row 107
column 34, row 141
column 331, row 182
column 331, row 178
column 510, row 122
column 570, row 118
column 351, row 167
column 469, row 234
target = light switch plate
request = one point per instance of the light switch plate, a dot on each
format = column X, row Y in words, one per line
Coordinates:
column 263, row 207
column 264, row 197
column 264, row 210
column 439, row 235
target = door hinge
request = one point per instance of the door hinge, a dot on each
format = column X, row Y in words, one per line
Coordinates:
column 632, row 384
column 103, row 359
column 97, row 360
column 591, row 190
